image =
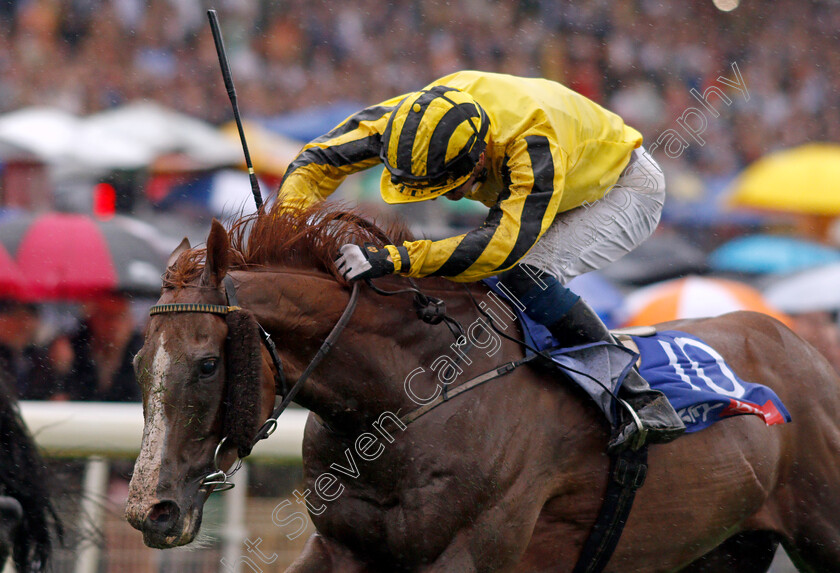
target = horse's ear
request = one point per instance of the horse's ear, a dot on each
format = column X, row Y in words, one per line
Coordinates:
column 218, row 255
column 184, row 245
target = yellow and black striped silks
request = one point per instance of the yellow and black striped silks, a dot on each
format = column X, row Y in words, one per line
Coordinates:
column 431, row 144
column 549, row 149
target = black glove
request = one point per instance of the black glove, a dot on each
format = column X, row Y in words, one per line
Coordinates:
column 369, row 262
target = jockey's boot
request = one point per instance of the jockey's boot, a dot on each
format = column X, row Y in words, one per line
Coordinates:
column 581, row 325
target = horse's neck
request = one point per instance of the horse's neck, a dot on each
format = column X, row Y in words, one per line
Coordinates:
column 365, row 373
column 299, row 309
column 368, row 374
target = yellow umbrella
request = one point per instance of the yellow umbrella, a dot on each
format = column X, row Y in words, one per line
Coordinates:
column 270, row 152
column 803, row 180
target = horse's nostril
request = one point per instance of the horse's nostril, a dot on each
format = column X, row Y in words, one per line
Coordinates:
column 163, row 515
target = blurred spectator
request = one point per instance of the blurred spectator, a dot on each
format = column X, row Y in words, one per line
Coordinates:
column 641, row 55
column 645, row 59
column 98, row 365
column 28, row 366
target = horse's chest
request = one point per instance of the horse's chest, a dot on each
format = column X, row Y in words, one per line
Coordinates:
column 418, row 510
column 406, row 501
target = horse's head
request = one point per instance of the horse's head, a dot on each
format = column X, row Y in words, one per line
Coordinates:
column 203, row 378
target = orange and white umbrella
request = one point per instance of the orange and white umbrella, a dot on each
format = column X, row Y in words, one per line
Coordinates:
column 694, row 297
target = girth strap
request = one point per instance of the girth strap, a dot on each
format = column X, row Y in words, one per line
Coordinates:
column 627, row 474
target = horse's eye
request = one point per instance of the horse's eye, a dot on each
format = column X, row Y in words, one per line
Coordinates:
column 207, row 367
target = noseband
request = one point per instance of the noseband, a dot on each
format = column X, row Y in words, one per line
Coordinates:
column 219, row 477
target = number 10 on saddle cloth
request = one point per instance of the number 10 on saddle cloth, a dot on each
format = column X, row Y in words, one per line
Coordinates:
column 694, row 376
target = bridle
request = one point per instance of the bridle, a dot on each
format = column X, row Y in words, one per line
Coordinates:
column 429, row 309
column 627, row 469
column 218, row 477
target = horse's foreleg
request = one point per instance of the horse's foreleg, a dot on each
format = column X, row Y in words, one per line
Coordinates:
column 748, row 552
column 457, row 557
column 496, row 540
column 323, row 555
column 816, row 554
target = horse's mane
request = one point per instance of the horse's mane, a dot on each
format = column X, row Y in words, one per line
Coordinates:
column 23, row 476
column 298, row 238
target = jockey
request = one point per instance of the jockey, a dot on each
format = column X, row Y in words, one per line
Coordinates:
column 569, row 186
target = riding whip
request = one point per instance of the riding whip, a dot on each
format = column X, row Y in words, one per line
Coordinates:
column 223, row 62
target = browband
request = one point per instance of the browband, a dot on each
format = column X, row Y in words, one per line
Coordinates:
column 193, row 307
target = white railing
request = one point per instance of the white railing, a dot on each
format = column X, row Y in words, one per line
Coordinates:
column 98, row 430
column 82, row 429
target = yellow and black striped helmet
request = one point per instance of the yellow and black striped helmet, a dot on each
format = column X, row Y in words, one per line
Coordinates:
column 431, row 144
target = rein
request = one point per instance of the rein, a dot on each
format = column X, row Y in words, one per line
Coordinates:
column 628, row 469
column 270, row 425
column 429, row 309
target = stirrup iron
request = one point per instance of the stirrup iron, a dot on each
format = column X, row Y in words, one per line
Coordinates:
column 642, row 431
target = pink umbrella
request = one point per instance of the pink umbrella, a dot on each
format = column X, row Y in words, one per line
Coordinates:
column 13, row 283
column 74, row 256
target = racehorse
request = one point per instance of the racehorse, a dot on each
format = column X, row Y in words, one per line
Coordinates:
column 27, row 516
column 506, row 477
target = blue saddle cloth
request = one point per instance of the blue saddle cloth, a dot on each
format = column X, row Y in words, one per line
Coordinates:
column 701, row 386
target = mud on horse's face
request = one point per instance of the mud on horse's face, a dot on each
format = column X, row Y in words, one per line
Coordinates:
column 181, row 375
column 183, row 370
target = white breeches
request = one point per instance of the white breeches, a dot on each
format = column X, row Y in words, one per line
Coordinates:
column 594, row 235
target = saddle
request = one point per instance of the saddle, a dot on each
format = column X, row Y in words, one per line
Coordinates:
column 625, row 337
column 694, row 377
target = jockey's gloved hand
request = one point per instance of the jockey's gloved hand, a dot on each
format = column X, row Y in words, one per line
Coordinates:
column 369, row 262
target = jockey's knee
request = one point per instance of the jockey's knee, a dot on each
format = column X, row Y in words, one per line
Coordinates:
column 544, row 298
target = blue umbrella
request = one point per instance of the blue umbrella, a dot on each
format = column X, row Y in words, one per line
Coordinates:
column 702, row 203
column 222, row 194
column 770, row 254
column 309, row 123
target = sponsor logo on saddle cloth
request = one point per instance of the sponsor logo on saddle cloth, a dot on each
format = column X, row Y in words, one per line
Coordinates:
column 699, row 383
column 694, row 376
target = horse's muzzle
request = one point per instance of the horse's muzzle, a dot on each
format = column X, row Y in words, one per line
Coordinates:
column 162, row 517
column 162, row 524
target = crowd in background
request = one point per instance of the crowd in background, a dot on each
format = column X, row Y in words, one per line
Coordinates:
column 91, row 360
column 639, row 57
